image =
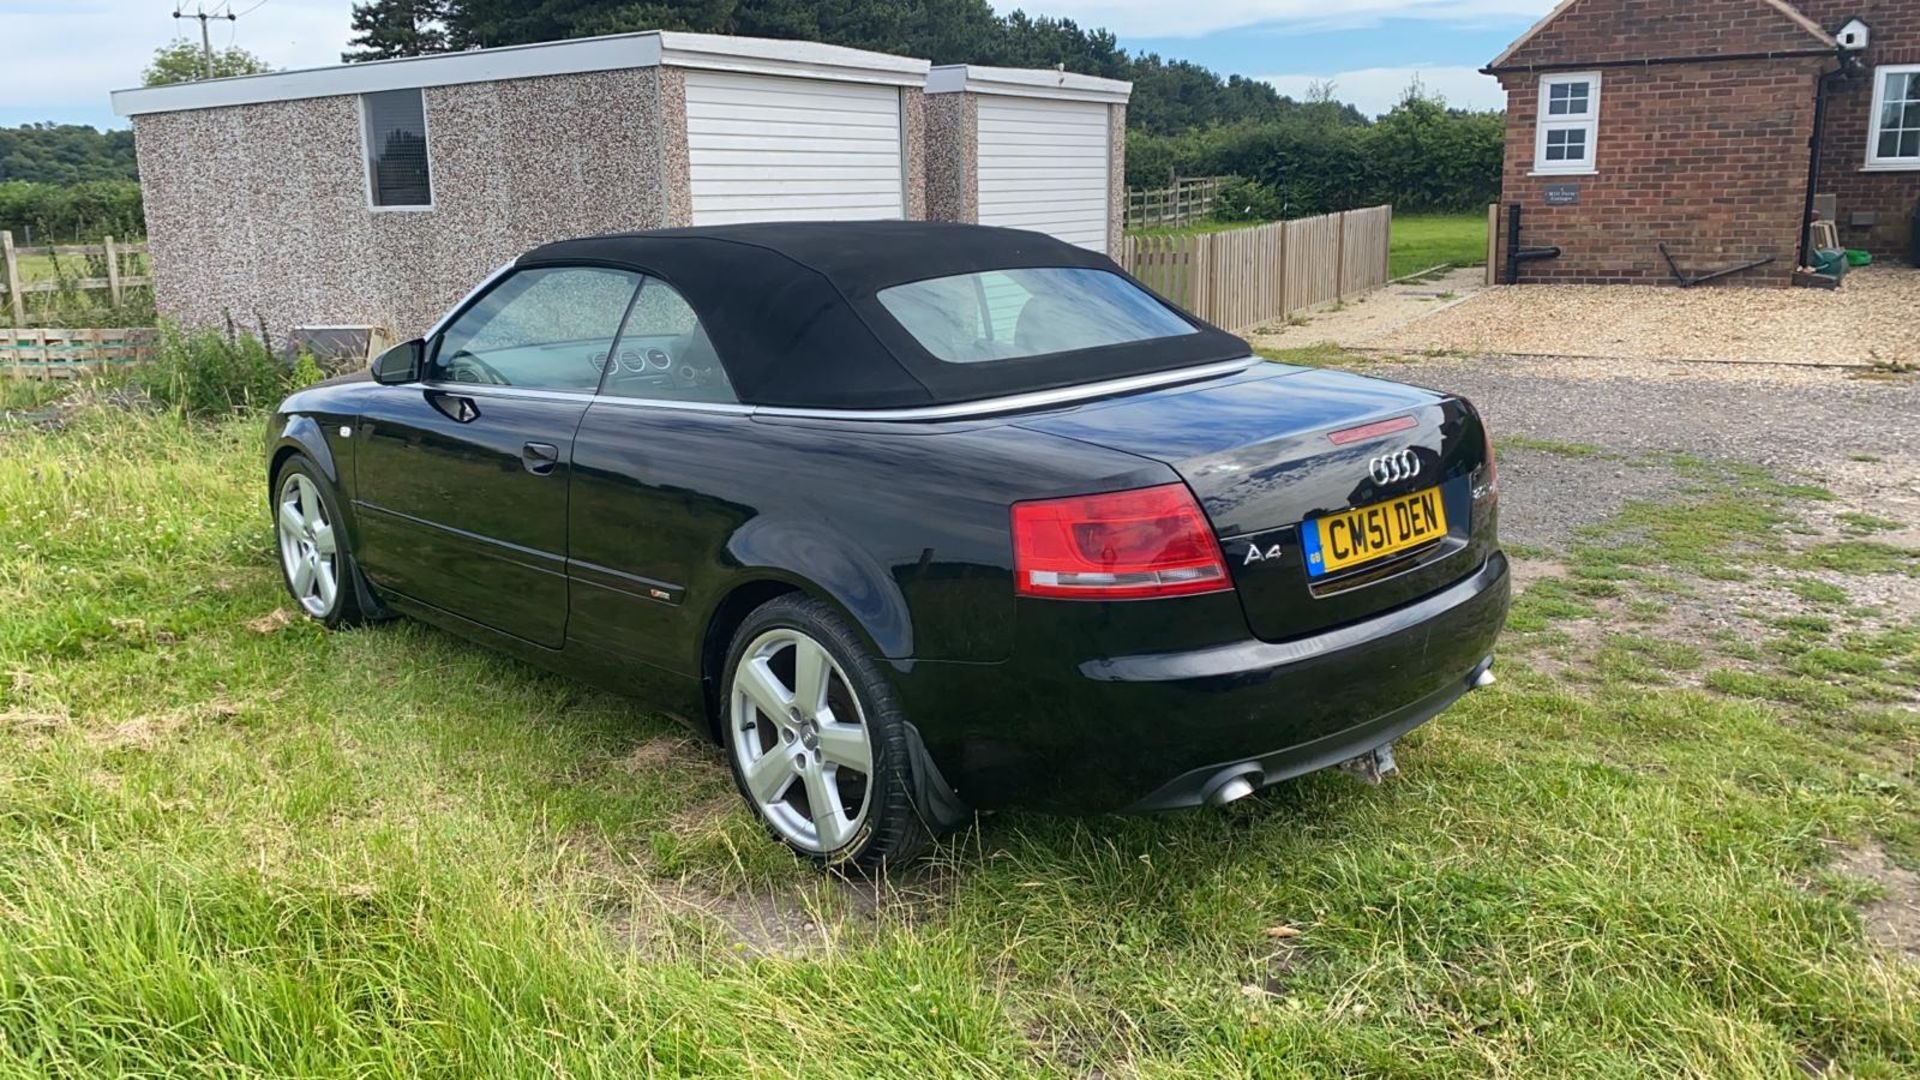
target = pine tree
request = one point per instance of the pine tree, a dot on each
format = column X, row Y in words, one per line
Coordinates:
column 384, row 29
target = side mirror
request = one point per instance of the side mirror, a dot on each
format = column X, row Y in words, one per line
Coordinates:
column 400, row 364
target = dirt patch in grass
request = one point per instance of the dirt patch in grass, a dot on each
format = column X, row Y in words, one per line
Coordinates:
column 272, row 622
column 1528, row 571
column 1893, row 920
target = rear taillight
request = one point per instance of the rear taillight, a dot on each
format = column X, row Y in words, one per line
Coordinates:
column 1125, row 545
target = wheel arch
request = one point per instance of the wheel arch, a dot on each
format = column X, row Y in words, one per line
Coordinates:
column 765, row 584
column 299, row 434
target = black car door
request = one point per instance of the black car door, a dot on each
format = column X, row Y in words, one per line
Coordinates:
column 461, row 478
column 662, row 437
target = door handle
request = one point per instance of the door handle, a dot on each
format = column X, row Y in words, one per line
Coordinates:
column 459, row 409
column 539, row 457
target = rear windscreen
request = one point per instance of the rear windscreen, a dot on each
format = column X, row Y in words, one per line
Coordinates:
column 1009, row 314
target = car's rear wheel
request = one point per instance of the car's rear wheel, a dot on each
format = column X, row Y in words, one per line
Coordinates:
column 315, row 564
column 816, row 740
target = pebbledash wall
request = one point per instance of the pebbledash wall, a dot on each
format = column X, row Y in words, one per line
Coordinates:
column 1705, row 108
column 1038, row 149
column 258, row 195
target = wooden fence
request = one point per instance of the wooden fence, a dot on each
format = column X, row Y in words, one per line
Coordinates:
column 1244, row 277
column 1183, row 203
column 113, row 258
column 59, row 354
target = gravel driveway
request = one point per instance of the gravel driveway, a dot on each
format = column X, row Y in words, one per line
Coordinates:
column 1870, row 321
column 1579, row 431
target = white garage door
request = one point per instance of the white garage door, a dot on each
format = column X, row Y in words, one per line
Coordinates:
column 1043, row 166
column 770, row 149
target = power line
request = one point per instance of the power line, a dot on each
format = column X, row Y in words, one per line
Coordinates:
column 206, row 43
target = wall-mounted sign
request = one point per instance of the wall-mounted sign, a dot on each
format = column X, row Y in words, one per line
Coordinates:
column 1563, row 194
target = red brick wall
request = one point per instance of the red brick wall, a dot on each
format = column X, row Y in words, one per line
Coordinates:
column 1600, row 31
column 1710, row 158
column 1890, row 195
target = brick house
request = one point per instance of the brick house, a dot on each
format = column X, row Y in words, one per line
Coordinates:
column 1690, row 123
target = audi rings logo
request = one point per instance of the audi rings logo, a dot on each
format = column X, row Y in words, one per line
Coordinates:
column 1393, row 468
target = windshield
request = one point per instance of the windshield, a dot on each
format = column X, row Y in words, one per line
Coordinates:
column 1009, row 314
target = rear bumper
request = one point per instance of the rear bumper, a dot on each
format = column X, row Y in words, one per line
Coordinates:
column 1158, row 730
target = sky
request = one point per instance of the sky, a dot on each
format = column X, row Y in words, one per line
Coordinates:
column 63, row 56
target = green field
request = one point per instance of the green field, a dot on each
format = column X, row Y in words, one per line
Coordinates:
column 233, row 844
column 1425, row 240
column 1420, row 241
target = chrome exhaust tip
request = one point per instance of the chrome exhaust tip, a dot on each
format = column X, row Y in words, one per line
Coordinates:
column 1232, row 791
column 1484, row 679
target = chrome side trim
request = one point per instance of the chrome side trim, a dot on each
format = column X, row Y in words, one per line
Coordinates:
column 726, row 407
column 1019, row 402
column 1041, row 399
column 530, row 393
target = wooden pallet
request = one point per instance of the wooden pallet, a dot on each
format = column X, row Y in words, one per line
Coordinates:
column 41, row 353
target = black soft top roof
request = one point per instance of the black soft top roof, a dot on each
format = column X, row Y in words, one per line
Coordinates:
column 791, row 309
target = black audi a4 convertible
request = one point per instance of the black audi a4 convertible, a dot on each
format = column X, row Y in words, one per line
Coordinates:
column 914, row 519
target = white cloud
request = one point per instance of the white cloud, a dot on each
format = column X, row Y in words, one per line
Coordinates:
column 1376, row 90
column 68, row 54
column 1161, row 18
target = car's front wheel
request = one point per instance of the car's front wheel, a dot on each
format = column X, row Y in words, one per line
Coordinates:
column 315, row 563
column 817, row 743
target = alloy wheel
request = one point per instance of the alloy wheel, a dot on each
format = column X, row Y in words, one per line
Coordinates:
column 308, row 550
column 800, row 741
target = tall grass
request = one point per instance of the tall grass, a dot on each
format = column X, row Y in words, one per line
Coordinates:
column 207, row 373
column 232, row 844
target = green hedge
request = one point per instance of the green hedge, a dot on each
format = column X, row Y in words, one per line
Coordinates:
column 71, row 213
column 1422, row 157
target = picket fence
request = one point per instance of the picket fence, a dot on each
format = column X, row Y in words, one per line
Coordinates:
column 1242, row 278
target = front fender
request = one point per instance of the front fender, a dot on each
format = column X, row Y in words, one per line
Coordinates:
column 814, row 556
column 298, row 433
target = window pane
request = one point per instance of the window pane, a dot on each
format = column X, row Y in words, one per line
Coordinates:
column 549, row 329
column 1889, row 145
column 397, row 148
column 1010, row 314
column 1569, row 99
column 1910, row 144
column 665, row 354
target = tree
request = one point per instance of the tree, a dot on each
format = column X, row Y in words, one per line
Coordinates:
column 1170, row 96
column 65, row 154
column 384, row 29
column 181, row 61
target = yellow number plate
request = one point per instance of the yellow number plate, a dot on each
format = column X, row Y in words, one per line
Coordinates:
column 1352, row 537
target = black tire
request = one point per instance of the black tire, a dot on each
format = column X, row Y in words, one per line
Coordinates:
column 349, row 607
column 892, row 831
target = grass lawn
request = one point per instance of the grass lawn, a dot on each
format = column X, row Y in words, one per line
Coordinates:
column 1420, row 241
column 1424, row 240
column 232, row 843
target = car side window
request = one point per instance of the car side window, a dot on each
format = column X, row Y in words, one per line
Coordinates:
column 664, row 353
column 549, row 328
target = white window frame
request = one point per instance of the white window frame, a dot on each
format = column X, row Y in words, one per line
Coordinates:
column 366, row 156
column 1590, row 123
column 1875, row 162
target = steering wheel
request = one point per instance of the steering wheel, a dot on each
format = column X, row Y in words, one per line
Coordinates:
column 462, row 365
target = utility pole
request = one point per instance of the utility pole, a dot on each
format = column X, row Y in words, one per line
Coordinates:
column 206, row 43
